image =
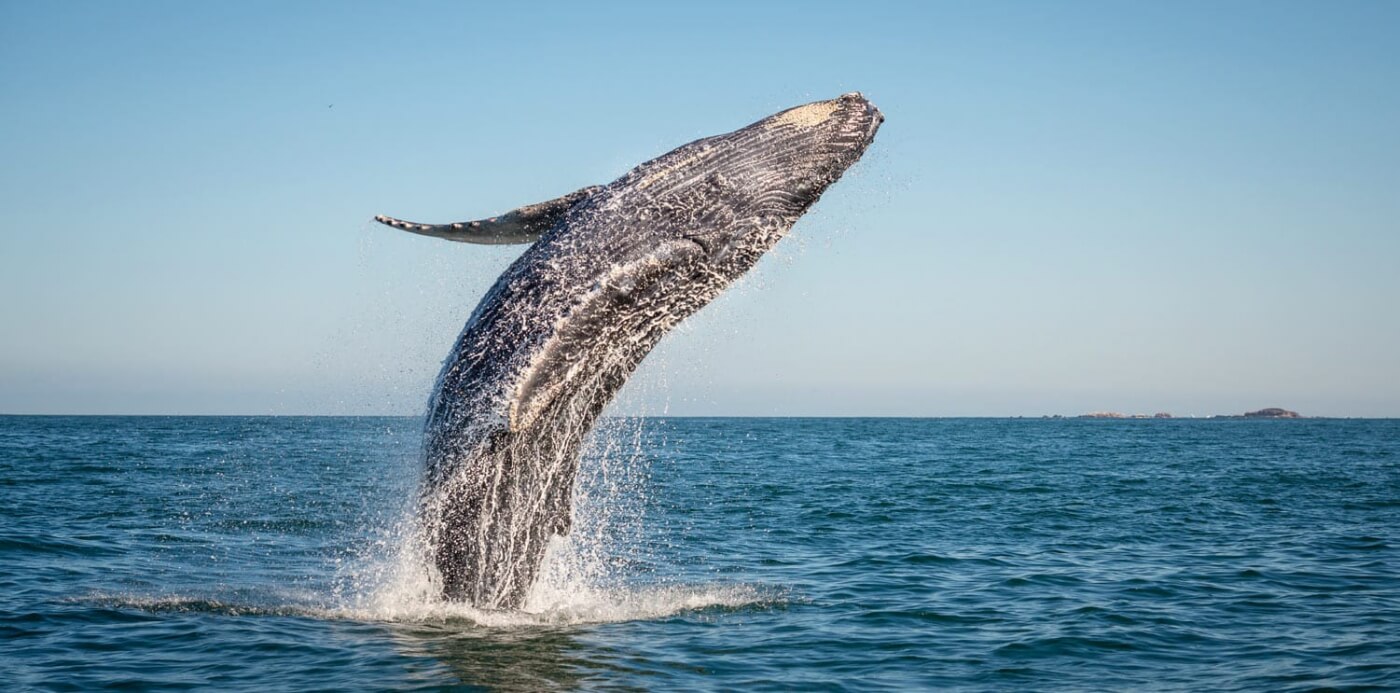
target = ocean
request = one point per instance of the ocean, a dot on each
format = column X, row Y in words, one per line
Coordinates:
column 256, row 553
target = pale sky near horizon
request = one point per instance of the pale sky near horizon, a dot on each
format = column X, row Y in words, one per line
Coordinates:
column 1188, row 207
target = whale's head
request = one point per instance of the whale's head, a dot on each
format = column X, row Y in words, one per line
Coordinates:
column 735, row 194
column 784, row 162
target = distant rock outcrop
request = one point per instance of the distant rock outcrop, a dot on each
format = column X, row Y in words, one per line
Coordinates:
column 1268, row 413
column 1272, row 413
column 1116, row 415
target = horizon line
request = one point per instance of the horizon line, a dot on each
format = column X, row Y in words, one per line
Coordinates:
column 722, row 416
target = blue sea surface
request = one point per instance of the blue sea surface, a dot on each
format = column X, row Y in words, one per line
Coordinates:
column 731, row 554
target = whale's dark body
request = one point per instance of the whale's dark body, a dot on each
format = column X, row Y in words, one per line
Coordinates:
column 615, row 267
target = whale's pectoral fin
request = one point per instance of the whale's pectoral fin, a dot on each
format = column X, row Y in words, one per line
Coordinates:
column 523, row 225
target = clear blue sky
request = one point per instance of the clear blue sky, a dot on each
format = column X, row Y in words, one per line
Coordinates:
column 1188, row 207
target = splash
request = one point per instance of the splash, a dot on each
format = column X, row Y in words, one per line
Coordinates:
column 590, row 576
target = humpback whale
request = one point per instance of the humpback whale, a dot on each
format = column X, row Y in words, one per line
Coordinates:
column 611, row 270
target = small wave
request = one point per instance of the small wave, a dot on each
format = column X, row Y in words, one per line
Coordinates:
column 206, row 605
column 72, row 546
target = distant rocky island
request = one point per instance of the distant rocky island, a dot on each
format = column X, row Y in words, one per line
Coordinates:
column 1266, row 413
column 1269, row 413
column 1116, row 415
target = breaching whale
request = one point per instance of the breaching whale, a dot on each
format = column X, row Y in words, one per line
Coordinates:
column 612, row 269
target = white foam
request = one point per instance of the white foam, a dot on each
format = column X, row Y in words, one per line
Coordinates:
column 584, row 578
column 581, row 607
column 576, row 586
